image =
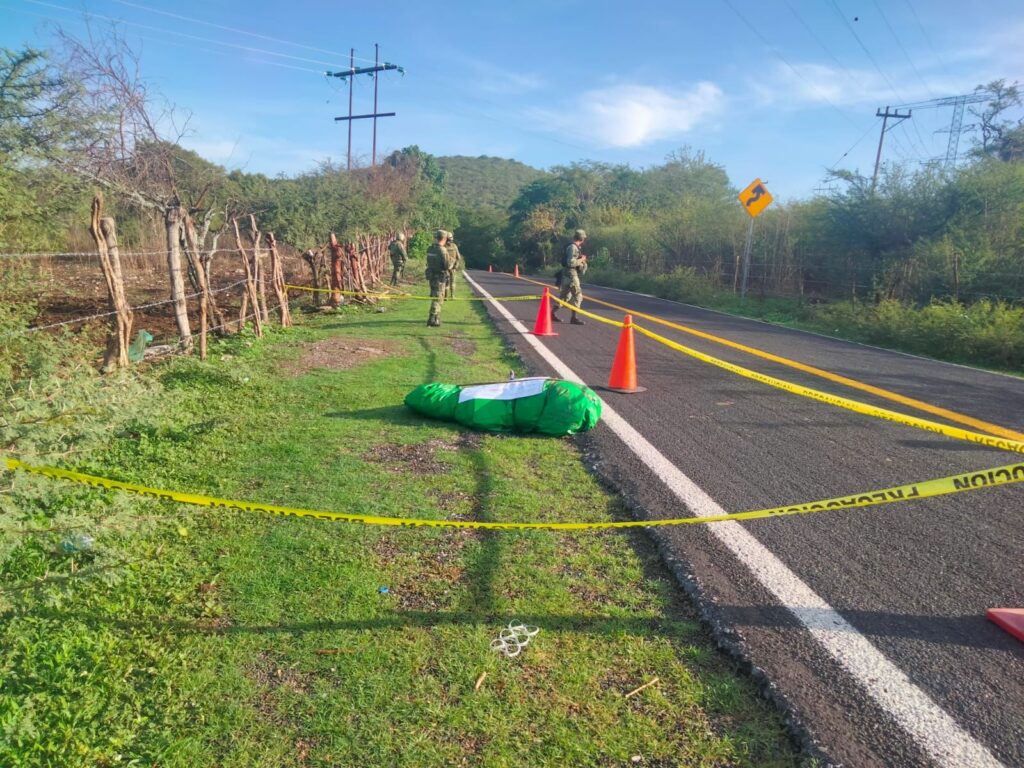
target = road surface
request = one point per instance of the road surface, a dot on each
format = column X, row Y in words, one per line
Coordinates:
column 867, row 625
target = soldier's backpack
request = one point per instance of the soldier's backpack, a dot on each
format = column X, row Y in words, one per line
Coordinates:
column 436, row 260
column 567, row 255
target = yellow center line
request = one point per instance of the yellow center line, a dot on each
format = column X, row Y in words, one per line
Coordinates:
column 960, row 418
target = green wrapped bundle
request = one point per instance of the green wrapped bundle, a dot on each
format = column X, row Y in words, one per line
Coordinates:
column 549, row 406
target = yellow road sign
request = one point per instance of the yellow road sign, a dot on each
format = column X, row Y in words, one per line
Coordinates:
column 755, row 198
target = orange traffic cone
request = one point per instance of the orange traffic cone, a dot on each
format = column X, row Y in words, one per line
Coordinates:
column 490, row 267
column 515, row 272
column 623, row 376
column 542, row 327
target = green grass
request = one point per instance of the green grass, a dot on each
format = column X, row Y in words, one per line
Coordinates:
column 188, row 636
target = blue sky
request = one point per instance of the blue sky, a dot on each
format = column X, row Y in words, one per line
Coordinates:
column 779, row 89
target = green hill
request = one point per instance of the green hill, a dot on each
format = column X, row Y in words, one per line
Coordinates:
column 474, row 182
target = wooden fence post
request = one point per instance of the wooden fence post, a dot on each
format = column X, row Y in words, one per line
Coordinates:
column 249, row 295
column 356, row 270
column 277, row 280
column 201, row 262
column 315, row 259
column 104, row 232
column 337, row 272
column 172, row 220
column 258, row 271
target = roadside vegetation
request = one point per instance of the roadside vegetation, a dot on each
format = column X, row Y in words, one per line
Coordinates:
column 929, row 260
column 141, row 632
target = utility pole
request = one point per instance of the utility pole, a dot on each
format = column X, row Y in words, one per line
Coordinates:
column 351, row 82
column 881, row 138
column 376, row 63
column 349, row 75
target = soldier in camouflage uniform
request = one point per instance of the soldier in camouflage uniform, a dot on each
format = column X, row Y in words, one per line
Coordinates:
column 438, row 265
column 574, row 264
column 453, row 251
column 398, row 257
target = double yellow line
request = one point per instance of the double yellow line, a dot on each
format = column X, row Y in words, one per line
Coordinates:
column 945, row 413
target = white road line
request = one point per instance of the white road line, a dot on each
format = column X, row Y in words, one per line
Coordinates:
column 929, row 725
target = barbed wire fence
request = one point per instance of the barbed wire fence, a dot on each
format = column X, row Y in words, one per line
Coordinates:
column 86, row 292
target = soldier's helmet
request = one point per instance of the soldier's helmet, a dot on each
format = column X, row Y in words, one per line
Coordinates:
column 440, row 235
column 579, row 234
column 451, row 235
column 401, row 236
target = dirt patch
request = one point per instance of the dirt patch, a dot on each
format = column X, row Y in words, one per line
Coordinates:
column 446, row 501
column 273, row 676
column 462, row 345
column 417, row 458
column 337, row 354
column 420, row 458
column 424, row 580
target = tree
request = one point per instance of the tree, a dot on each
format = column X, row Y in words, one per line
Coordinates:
column 35, row 201
column 1001, row 137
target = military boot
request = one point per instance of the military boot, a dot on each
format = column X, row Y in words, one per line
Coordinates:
column 575, row 320
column 555, row 318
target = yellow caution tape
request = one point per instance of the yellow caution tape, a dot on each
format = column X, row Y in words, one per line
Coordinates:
column 969, row 481
column 396, row 296
column 991, row 441
column 591, row 315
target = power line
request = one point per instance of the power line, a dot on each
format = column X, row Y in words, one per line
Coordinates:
column 903, row 48
column 785, row 61
column 927, row 38
column 818, row 40
column 920, row 150
column 212, row 41
column 912, row 65
column 864, row 48
column 854, row 145
column 164, row 41
column 232, row 29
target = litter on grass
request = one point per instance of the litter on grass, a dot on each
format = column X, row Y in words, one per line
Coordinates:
column 513, row 639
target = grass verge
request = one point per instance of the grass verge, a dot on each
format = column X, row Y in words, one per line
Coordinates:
column 184, row 636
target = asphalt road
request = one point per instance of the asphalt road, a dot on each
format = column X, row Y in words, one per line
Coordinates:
column 912, row 578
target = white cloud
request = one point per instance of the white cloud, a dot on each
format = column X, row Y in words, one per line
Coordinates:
column 633, row 115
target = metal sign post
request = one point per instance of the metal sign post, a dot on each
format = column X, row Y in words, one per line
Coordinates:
column 755, row 198
column 746, row 259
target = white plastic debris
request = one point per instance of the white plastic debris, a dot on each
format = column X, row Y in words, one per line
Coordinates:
column 513, row 639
